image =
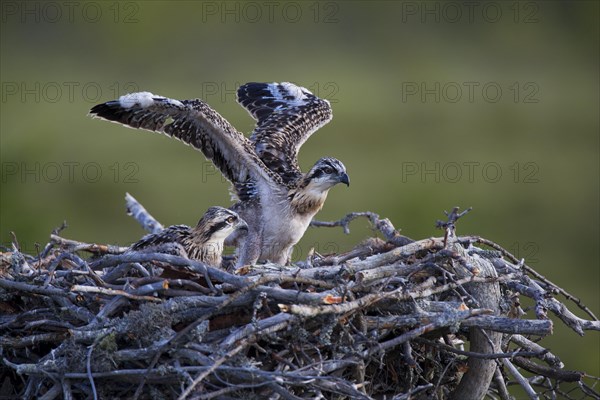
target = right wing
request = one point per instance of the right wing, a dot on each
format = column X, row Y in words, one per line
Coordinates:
column 286, row 116
column 196, row 124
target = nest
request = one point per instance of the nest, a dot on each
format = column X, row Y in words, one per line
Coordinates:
column 391, row 319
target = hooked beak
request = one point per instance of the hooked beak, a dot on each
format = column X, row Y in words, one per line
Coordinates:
column 344, row 178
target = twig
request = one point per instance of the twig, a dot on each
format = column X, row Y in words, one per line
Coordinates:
column 485, row 356
column 384, row 226
column 74, row 245
column 88, row 365
column 453, row 217
column 501, row 385
column 33, row 340
column 112, row 292
column 553, row 373
column 143, row 217
column 511, row 325
column 345, row 221
column 520, row 379
column 24, row 287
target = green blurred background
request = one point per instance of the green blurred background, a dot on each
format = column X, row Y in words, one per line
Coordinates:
column 492, row 105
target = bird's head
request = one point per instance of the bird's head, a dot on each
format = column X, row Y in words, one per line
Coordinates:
column 326, row 173
column 218, row 223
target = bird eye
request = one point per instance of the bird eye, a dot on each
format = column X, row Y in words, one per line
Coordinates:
column 328, row 170
column 230, row 220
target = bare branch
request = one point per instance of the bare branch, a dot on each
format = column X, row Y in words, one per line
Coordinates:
column 520, row 379
column 143, row 217
column 73, row 246
column 384, row 226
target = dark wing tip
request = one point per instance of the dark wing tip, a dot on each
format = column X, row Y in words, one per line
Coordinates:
column 133, row 117
column 110, row 111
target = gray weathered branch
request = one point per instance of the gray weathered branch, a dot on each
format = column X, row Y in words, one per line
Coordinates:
column 374, row 322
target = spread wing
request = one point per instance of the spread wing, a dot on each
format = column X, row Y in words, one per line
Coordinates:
column 286, row 116
column 198, row 125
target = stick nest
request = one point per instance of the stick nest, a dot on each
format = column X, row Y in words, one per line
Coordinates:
column 392, row 319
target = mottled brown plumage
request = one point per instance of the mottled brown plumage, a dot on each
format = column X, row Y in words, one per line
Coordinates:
column 203, row 243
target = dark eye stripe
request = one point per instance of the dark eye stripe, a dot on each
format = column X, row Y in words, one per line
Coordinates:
column 215, row 228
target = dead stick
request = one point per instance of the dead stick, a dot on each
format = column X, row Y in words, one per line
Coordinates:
column 112, row 292
column 143, row 217
column 74, row 245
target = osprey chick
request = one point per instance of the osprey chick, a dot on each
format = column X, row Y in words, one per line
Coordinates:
column 274, row 197
column 203, row 243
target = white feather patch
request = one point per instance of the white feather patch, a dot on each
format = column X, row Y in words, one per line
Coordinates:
column 299, row 93
column 142, row 99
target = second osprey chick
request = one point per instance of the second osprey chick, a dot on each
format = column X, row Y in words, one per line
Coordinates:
column 203, row 243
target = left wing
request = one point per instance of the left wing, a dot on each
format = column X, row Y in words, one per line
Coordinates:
column 194, row 123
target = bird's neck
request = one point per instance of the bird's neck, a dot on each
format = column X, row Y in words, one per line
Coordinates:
column 209, row 252
column 308, row 199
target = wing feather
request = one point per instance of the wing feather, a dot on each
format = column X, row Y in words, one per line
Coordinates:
column 196, row 124
column 287, row 115
column 171, row 234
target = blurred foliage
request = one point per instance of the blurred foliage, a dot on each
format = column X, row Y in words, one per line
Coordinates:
column 522, row 147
